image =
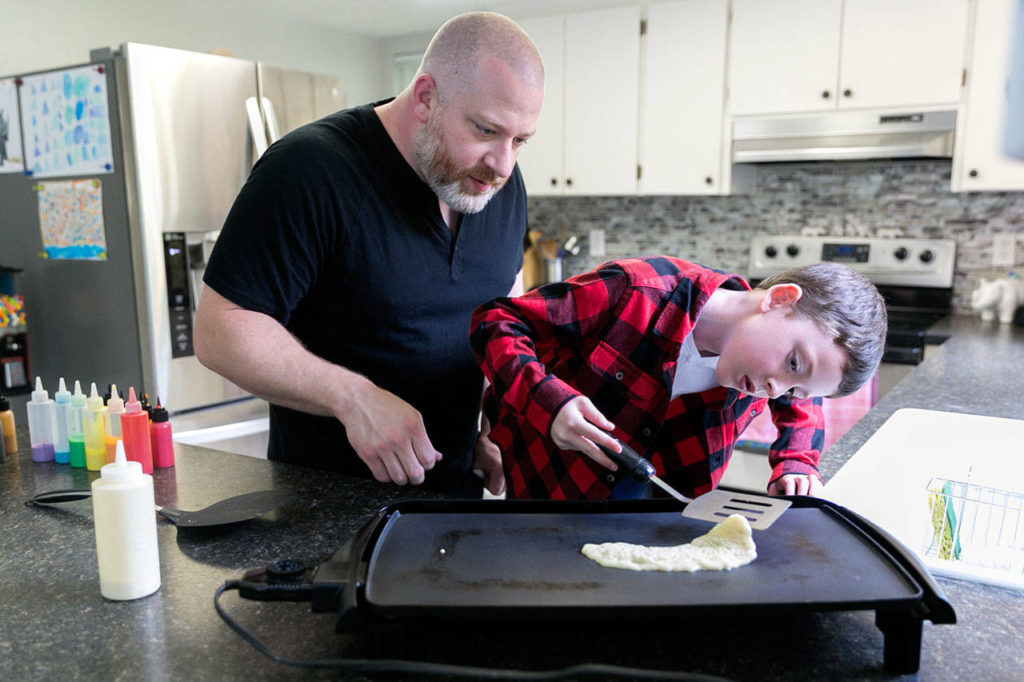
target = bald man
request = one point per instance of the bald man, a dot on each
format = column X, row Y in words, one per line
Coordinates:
column 342, row 284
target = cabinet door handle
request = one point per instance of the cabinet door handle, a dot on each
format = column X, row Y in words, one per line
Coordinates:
column 554, row 182
column 568, row 181
column 847, row 92
column 709, row 180
column 973, row 172
column 825, row 94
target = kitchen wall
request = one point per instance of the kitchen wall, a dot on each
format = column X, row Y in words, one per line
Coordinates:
column 850, row 198
column 44, row 34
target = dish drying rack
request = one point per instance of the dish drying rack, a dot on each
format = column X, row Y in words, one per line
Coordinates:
column 976, row 532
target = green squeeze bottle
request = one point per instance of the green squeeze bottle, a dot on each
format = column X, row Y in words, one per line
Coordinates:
column 76, row 432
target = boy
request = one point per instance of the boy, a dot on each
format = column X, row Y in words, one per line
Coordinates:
column 674, row 359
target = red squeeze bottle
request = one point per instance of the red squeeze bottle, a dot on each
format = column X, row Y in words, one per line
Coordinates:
column 135, row 433
column 160, row 435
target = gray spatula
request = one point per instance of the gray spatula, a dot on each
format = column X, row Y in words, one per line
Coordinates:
column 759, row 510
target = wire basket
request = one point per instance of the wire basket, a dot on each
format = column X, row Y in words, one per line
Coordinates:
column 977, row 526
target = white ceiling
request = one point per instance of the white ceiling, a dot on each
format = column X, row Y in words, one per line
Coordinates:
column 398, row 17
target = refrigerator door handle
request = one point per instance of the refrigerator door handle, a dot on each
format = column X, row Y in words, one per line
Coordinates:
column 259, row 133
column 270, row 115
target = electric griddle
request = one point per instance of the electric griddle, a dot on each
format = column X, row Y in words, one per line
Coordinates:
column 423, row 561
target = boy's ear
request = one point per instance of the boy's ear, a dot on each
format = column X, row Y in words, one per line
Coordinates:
column 779, row 295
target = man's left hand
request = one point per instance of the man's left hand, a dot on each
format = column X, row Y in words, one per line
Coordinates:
column 796, row 484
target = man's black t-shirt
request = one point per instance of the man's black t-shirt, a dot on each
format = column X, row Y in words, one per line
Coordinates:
column 336, row 237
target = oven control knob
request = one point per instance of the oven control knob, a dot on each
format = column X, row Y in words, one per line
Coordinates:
column 927, row 256
column 901, row 253
column 771, row 251
column 793, row 250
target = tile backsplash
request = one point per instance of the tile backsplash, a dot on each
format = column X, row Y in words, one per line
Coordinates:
column 863, row 198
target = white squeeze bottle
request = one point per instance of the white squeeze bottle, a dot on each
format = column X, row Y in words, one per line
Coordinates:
column 123, row 510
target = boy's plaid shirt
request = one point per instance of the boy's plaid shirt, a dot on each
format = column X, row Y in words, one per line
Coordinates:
column 614, row 335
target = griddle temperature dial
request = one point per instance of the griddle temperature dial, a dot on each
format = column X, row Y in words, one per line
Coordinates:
column 771, row 251
column 901, row 253
column 793, row 250
column 927, row 256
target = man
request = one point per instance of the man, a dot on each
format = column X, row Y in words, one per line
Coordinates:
column 342, row 284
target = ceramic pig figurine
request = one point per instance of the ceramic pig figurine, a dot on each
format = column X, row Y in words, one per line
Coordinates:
column 1000, row 296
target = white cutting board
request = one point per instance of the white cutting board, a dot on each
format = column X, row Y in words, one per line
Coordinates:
column 886, row 480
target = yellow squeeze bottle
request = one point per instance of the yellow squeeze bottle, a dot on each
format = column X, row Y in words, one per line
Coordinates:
column 115, row 407
column 92, row 427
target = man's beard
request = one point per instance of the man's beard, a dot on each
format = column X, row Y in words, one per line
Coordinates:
column 445, row 178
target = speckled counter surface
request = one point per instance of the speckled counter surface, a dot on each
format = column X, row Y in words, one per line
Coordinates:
column 54, row 624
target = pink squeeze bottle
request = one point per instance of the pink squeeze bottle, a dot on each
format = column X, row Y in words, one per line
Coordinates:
column 135, row 433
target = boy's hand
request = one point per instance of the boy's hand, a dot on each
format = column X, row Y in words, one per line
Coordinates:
column 581, row 426
column 487, row 460
column 796, row 484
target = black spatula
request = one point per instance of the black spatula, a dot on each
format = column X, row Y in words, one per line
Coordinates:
column 232, row 510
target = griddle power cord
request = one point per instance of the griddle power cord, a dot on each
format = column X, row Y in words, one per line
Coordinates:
column 421, row 668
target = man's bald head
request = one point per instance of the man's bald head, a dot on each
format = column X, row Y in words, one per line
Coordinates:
column 465, row 43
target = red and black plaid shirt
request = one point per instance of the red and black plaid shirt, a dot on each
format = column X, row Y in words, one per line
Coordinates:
column 613, row 335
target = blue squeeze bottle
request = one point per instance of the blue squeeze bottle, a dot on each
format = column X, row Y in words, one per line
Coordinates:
column 61, row 400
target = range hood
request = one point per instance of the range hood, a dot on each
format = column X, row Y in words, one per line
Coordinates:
column 842, row 135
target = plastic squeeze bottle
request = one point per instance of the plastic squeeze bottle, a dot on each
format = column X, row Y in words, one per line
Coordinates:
column 135, row 433
column 112, row 423
column 95, row 436
column 10, row 445
column 76, row 433
column 160, row 435
column 41, row 427
column 126, row 545
column 61, row 400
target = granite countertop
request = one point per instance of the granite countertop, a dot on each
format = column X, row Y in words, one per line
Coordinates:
column 54, row 622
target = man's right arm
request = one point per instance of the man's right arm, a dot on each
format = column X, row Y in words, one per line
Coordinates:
column 257, row 353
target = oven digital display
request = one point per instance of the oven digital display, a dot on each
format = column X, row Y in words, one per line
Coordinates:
column 845, row 253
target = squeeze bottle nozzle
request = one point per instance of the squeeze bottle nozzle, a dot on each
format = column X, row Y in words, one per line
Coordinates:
column 95, row 400
column 132, row 405
column 62, row 395
column 78, row 398
column 120, row 469
column 116, row 402
column 40, row 394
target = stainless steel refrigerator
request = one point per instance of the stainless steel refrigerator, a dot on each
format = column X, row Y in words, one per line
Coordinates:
column 185, row 129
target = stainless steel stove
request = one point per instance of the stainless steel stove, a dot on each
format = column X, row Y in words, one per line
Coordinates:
column 915, row 276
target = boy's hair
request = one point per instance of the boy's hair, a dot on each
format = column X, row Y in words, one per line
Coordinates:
column 848, row 308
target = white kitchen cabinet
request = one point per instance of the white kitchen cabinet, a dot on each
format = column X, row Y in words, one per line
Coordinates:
column 542, row 159
column 681, row 106
column 979, row 162
column 592, row 87
column 791, row 56
column 783, row 55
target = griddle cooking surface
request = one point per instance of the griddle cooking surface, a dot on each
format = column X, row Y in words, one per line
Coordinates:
column 808, row 558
